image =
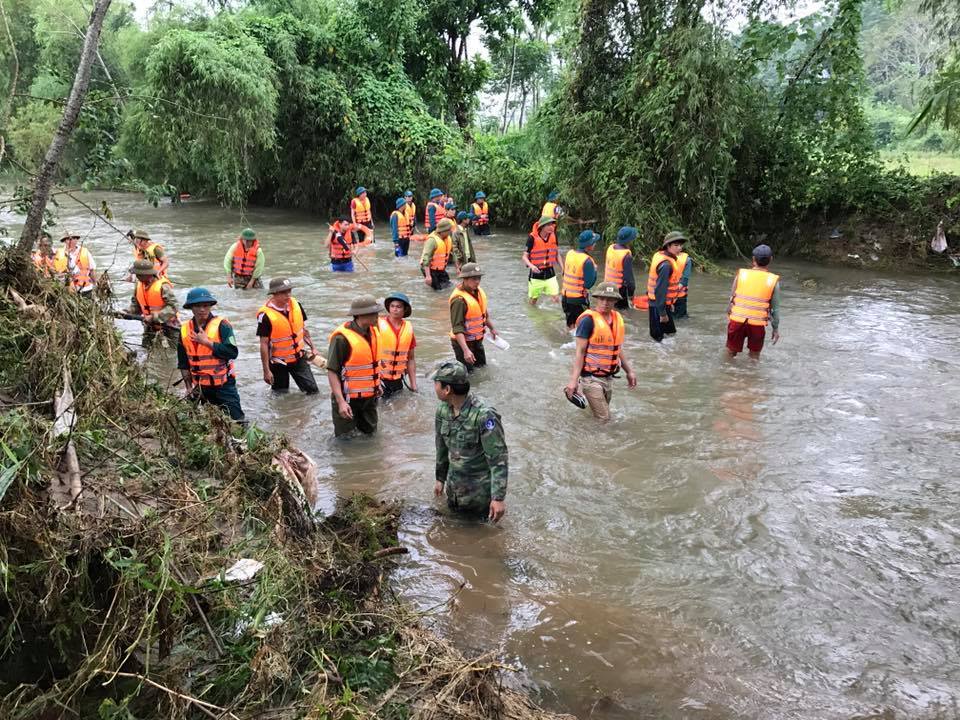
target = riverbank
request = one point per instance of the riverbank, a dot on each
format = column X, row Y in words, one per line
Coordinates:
column 156, row 562
column 891, row 233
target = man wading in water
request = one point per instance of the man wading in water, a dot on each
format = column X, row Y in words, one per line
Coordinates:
column 471, row 448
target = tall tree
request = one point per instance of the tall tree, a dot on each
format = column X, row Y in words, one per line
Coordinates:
column 81, row 81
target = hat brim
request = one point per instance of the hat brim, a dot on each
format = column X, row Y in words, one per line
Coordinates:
column 280, row 290
column 607, row 296
column 682, row 241
column 366, row 310
column 211, row 301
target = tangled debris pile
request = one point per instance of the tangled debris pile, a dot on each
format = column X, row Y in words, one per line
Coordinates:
column 170, row 567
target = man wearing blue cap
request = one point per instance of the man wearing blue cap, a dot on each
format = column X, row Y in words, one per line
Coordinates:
column 462, row 244
column 410, row 209
column 206, row 353
column 579, row 275
column 481, row 214
column 618, row 267
column 400, row 229
column 360, row 211
column 434, row 212
column 754, row 301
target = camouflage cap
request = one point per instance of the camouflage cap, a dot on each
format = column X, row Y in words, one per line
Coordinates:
column 606, row 290
column 141, row 234
column 69, row 234
column 470, row 270
column 445, row 225
column 279, row 285
column 144, row 267
column 451, row 372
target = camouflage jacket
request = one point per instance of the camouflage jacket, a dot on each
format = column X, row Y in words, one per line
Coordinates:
column 471, row 454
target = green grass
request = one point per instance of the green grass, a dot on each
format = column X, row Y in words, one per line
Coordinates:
column 923, row 164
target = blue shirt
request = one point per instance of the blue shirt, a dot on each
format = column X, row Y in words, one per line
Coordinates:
column 687, row 269
column 395, row 229
column 584, row 327
column 629, row 282
column 589, row 273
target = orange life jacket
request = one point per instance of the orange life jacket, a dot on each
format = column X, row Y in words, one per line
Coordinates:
column 148, row 253
column 245, row 259
column 359, row 375
column 410, row 210
column 205, row 367
column 403, row 224
column 673, row 289
column 286, row 334
column 46, row 264
column 682, row 258
column 341, row 248
column 481, row 212
column 475, row 323
column 438, row 214
column 603, row 347
column 150, row 299
column 751, row 296
column 442, row 252
column 82, row 275
column 613, row 266
column 394, row 347
column 573, row 283
column 544, row 252
column 361, row 210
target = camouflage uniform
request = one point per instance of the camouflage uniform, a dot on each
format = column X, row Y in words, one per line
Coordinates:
column 471, row 449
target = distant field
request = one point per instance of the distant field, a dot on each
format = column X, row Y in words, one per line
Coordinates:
column 924, row 163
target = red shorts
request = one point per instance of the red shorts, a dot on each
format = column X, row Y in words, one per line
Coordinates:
column 737, row 332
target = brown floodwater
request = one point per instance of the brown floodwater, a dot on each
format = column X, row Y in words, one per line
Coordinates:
column 745, row 540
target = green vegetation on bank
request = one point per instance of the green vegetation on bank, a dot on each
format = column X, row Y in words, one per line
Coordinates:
column 659, row 116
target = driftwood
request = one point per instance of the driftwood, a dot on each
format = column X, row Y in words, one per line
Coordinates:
column 28, row 309
column 64, row 419
column 298, row 489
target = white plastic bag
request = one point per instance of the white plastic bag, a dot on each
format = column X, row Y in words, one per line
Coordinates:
column 939, row 242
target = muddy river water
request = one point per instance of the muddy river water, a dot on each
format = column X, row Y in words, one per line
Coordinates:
column 745, row 540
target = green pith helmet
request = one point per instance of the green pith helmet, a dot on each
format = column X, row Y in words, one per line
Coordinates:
column 470, row 270
column 674, row 236
column 141, row 234
column 248, row 234
column 199, row 296
column 547, row 220
column 364, row 305
column 144, row 267
column 451, row 372
column 402, row 297
column 607, row 290
column 445, row 225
